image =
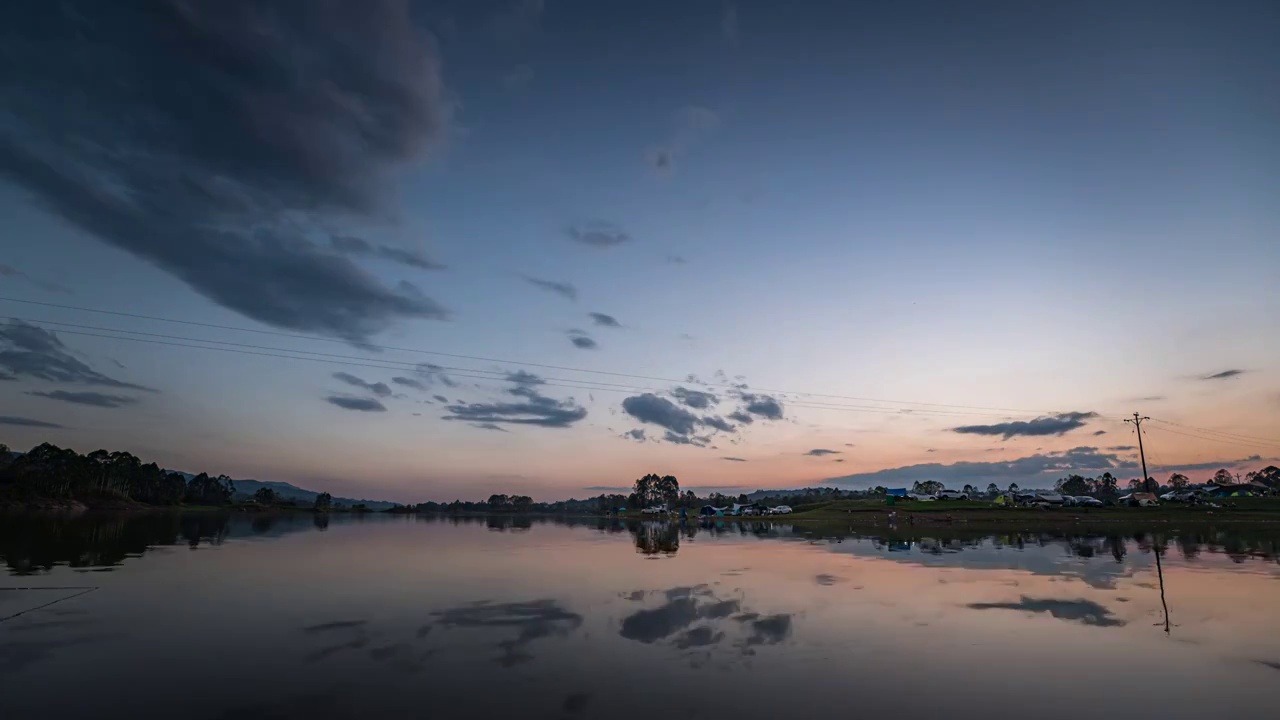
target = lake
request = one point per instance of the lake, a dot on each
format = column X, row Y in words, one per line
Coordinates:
column 298, row 616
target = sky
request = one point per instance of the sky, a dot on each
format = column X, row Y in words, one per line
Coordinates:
column 442, row 250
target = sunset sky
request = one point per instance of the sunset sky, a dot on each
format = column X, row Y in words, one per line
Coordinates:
column 927, row 240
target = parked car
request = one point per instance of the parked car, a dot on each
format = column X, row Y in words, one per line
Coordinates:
column 780, row 510
column 1182, row 496
column 655, row 510
column 952, row 495
column 921, row 498
column 1085, row 501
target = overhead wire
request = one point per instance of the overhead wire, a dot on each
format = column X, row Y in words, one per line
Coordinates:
column 393, row 365
column 471, row 373
column 479, row 358
column 1219, row 432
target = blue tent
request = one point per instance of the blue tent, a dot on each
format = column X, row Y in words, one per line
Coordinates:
column 896, row 492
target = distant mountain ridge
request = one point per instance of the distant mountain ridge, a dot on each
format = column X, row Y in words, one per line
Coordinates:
column 246, row 488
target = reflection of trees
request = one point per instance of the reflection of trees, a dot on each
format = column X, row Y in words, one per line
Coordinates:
column 654, row 538
column 29, row 544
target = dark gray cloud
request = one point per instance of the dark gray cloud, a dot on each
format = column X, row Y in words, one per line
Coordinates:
column 356, row 403
column 675, row 260
column 598, row 234
column 33, row 352
column 26, row 422
column 10, row 271
column 696, row 399
column 765, row 406
column 306, row 112
column 1096, row 433
column 377, row 388
column 440, row 398
column 524, row 377
column 636, row 434
column 1059, row 424
column 717, row 422
column 433, row 375
column 678, row 439
column 408, row 382
column 94, row 399
column 655, row 410
column 1224, row 375
column 741, row 417
column 1122, row 448
column 532, row 408
column 581, row 340
column 1039, row 469
column 1081, row 611
column 563, row 289
column 488, row 426
column 604, row 320
column 359, row 247
column 734, row 459
column 819, row 452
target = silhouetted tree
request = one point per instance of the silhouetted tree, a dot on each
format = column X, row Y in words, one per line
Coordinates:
column 265, row 496
column 1178, row 481
column 1108, row 486
column 324, row 501
column 1223, row 477
column 993, row 489
column 927, row 487
column 1073, row 485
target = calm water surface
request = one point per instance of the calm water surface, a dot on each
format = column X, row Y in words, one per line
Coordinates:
column 393, row 617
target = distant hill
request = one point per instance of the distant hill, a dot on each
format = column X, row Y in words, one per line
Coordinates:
column 246, row 488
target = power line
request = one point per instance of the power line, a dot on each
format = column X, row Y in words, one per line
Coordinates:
column 1218, row 432
column 1240, row 443
column 579, row 385
column 479, row 358
column 456, row 371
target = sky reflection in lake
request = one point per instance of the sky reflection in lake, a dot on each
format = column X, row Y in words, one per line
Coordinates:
column 395, row 617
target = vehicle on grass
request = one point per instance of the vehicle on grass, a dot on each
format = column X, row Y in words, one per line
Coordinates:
column 921, row 498
column 1085, row 501
column 1139, row 499
column 780, row 510
column 952, row 495
column 1184, row 496
column 654, row 510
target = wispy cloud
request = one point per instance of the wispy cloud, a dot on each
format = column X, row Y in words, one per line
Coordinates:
column 409, row 382
column 1223, row 375
column 32, row 352
column 1049, row 425
column 581, row 340
column 27, row 422
column 604, row 320
column 530, row 408
column 356, row 403
column 359, row 247
column 9, row 271
column 819, row 452
column 598, row 234
column 734, row 459
column 696, row 399
column 563, row 289
column 93, row 399
column 377, row 388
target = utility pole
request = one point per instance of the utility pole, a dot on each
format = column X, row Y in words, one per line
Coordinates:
column 1137, row 423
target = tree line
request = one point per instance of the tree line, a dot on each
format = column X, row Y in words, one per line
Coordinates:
column 51, row 472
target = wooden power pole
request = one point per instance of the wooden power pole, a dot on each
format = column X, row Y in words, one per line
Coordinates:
column 1137, row 423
